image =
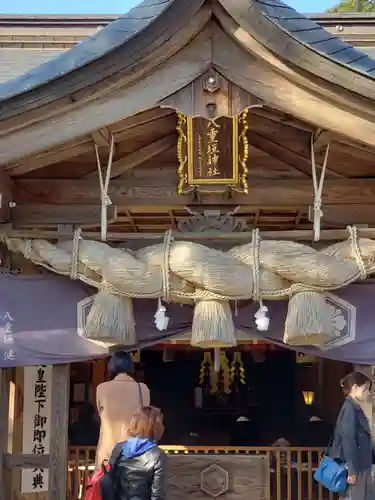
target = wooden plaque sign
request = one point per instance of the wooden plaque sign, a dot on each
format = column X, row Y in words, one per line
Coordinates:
column 212, row 154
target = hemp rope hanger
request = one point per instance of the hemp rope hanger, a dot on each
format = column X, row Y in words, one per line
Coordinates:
column 318, row 187
column 105, row 199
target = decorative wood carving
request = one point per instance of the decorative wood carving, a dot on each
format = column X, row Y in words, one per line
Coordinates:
column 214, row 480
column 211, row 82
column 231, row 477
column 211, row 89
column 212, row 221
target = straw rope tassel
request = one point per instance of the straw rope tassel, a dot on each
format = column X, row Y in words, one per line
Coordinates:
column 309, row 320
column 105, row 199
column 318, row 188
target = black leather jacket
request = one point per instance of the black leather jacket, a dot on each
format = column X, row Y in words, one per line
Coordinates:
column 142, row 477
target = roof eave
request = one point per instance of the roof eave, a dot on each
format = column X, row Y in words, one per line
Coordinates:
column 110, row 52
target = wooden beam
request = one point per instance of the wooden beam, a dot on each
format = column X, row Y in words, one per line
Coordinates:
column 137, row 192
column 102, row 137
column 356, row 151
column 84, row 145
column 285, row 155
column 283, row 118
column 43, row 215
column 143, row 154
column 321, row 139
column 139, row 119
column 291, row 235
column 50, row 216
column 356, row 214
column 138, row 157
column 51, row 156
column 6, row 196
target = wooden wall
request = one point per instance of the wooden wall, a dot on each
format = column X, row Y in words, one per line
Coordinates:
column 332, row 396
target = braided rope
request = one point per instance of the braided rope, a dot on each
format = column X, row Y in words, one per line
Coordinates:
column 363, row 266
column 353, row 236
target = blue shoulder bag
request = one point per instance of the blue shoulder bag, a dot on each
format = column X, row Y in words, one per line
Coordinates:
column 331, row 474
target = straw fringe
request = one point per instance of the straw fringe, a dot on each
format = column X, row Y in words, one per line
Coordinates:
column 213, row 325
column 309, row 320
column 111, row 318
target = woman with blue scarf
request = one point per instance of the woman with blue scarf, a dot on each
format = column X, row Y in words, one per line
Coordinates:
column 140, row 465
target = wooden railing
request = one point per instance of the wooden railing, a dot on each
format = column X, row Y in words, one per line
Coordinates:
column 288, row 471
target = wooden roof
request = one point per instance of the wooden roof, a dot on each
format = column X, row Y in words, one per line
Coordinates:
column 128, row 80
column 27, row 41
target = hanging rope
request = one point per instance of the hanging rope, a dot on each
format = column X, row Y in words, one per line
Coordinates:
column 105, row 199
column 318, row 188
column 28, row 249
column 261, row 318
column 255, row 241
column 356, row 249
column 75, row 254
column 168, row 239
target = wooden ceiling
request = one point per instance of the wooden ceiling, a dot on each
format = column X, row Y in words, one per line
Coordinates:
column 61, row 185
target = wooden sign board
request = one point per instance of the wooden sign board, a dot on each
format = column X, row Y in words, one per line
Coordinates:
column 36, row 424
column 212, row 154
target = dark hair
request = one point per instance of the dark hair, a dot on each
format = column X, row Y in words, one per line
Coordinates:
column 147, row 422
column 354, row 378
column 120, row 362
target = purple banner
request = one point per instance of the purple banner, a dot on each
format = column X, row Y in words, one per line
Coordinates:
column 38, row 322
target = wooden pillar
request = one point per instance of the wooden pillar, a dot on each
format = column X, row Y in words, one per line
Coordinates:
column 18, row 432
column 4, row 420
column 372, row 404
column 58, row 462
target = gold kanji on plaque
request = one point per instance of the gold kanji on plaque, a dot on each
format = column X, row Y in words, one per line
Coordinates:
column 212, row 154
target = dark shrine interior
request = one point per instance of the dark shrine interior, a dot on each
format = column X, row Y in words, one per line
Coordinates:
column 267, row 407
column 256, row 399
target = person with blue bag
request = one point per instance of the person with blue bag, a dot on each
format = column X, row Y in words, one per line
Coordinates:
column 346, row 468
